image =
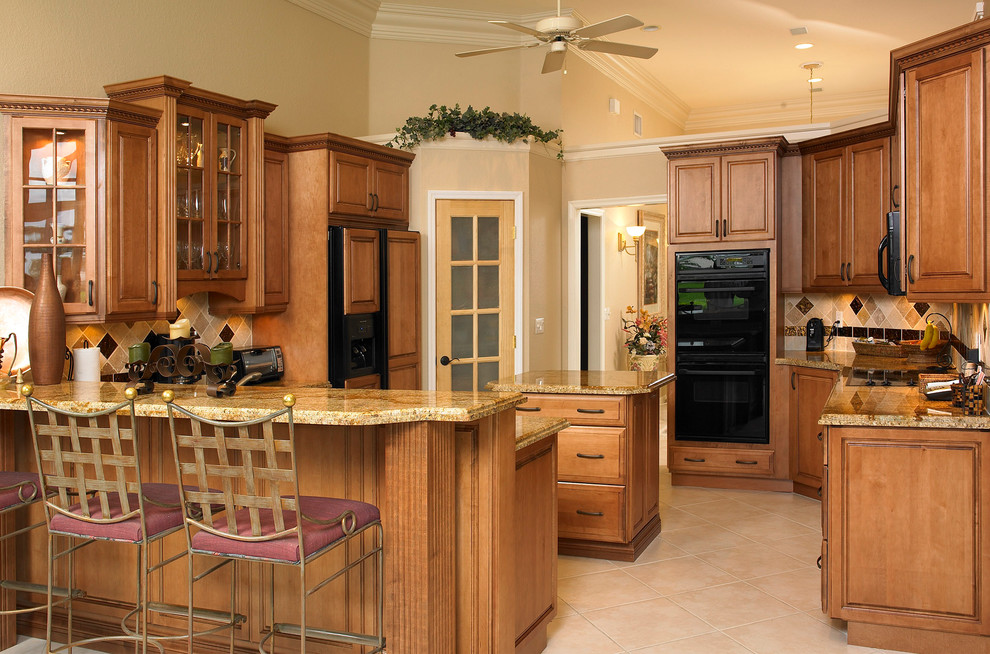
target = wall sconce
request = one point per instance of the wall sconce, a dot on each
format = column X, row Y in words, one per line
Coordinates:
column 635, row 231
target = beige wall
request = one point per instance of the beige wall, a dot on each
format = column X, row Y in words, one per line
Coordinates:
column 541, row 273
column 619, row 284
column 272, row 50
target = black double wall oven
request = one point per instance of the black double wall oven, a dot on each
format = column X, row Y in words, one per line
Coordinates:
column 722, row 356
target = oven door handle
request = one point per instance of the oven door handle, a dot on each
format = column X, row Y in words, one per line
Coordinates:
column 716, row 289
column 718, row 373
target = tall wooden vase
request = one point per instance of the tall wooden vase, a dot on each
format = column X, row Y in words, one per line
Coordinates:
column 46, row 328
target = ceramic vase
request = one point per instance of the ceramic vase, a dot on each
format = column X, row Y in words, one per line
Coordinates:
column 46, row 328
column 643, row 362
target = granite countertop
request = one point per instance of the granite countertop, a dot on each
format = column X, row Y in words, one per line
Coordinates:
column 826, row 359
column 588, row 382
column 532, row 429
column 316, row 404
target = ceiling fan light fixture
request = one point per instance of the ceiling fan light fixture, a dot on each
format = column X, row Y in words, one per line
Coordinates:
column 650, row 28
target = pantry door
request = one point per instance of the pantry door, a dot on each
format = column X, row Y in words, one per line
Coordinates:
column 475, row 295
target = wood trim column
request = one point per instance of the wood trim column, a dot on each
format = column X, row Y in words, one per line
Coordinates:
column 8, row 624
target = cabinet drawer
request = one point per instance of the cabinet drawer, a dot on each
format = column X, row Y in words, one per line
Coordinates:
column 591, row 454
column 591, row 511
column 578, row 409
column 753, row 463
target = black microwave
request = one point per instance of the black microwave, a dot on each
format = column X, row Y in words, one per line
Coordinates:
column 889, row 256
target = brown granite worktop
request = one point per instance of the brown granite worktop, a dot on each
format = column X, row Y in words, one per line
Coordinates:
column 533, row 429
column 586, row 382
column 316, row 404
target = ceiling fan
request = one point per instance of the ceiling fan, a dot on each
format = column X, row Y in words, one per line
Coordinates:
column 559, row 30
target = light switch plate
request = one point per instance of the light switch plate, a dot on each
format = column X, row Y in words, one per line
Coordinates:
column 539, row 326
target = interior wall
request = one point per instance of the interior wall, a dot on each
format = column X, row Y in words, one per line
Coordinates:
column 542, row 279
column 619, row 284
column 273, row 50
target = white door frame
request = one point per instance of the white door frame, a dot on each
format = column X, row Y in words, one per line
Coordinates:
column 572, row 237
column 431, row 271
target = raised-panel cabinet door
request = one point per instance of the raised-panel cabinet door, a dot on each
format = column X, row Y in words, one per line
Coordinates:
column 391, row 188
column 133, row 287
column 809, row 393
column 868, row 172
column 351, row 184
column 944, row 207
column 276, row 222
column 695, row 199
column 361, row 271
column 824, row 178
column 748, row 191
column 403, row 309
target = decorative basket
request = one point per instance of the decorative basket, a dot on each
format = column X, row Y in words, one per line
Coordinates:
column 889, row 350
column 913, row 351
column 928, row 377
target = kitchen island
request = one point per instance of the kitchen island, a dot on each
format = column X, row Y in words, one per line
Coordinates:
column 441, row 466
column 609, row 458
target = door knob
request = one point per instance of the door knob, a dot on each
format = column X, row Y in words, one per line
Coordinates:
column 445, row 360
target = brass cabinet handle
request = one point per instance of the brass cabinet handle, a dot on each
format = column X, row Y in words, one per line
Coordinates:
column 527, row 408
column 746, row 463
column 154, row 285
column 909, row 267
column 596, row 514
column 689, row 460
column 793, row 387
column 590, row 456
column 591, row 410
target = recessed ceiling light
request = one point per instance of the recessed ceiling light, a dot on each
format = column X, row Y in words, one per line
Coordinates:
column 650, row 28
column 804, row 46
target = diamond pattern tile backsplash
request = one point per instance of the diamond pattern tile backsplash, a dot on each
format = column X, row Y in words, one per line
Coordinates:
column 880, row 316
column 113, row 339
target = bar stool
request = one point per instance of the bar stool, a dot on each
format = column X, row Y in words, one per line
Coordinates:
column 265, row 519
column 93, row 456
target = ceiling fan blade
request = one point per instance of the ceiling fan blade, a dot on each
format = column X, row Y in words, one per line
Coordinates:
column 472, row 53
column 609, row 26
column 554, row 61
column 520, row 28
column 624, row 49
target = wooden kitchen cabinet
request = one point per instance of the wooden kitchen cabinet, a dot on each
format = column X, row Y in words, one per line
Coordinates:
column 362, row 288
column 368, row 184
column 908, row 536
column 809, row 391
column 403, row 310
column 846, row 196
column 723, row 192
column 608, row 471
column 83, row 188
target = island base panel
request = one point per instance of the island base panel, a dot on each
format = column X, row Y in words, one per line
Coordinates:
column 627, row 552
column 731, row 483
column 919, row 641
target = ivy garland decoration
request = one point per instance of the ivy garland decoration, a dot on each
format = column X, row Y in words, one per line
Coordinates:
column 441, row 121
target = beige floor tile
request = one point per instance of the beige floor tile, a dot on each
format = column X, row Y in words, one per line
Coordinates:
column 673, row 518
column 817, row 614
column 660, row 549
column 679, row 575
column 775, row 502
column 750, row 561
column 705, row 538
column 799, row 588
column 793, row 634
column 803, row 548
column 564, row 609
column 572, row 566
column 723, row 510
column 681, row 496
column 575, row 635
column 810, row 516
column 732, row 605
column 714, row 643
column 768, row 527
column 603, row 589
column 647, row 623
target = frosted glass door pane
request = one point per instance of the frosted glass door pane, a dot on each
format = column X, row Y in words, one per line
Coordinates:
column 487, row 372
column 488, row 238
column 488, row 335
column 462, row 376
column 461, row 287
column 462, row 238
column 487, row 287
column 462, row 337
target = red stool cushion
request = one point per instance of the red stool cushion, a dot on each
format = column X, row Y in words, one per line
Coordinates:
column 27, row 489
column 286, row 549
column 158, row 519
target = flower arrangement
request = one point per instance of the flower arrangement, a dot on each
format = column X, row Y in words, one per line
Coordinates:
column 647, row 332
column 441, row 121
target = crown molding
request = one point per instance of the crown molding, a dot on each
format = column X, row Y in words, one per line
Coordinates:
column 834, row 108
column 355, row 15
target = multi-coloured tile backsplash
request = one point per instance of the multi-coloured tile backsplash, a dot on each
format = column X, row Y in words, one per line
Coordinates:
column 113, row 339
column 880, row 316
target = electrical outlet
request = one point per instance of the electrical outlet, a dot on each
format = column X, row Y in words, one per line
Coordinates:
column 539, row 326
column 838, row 319
column 608, row 313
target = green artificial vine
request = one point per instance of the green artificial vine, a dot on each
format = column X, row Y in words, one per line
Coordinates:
column 441, row 121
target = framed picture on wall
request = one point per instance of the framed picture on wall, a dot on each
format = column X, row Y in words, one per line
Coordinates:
column 651, row 282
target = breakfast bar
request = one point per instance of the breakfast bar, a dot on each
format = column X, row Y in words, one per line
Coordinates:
column 440, row 465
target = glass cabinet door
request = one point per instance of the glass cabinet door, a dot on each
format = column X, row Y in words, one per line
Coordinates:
column 55, row 211
column 229, row 199
column 190, row 197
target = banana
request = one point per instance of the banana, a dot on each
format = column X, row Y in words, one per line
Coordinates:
column 936, row 337
column 926, row 341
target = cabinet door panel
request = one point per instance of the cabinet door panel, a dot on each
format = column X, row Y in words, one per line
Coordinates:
column 361, row 271
column 391, row 188
column 403, row 309
column 695, row 199
column 868, row 202
column 351, row 184
column 132, row 221
column 748, row 190
column 824, row 178
column 812, row 390
column 276, row 225
column 944, row 204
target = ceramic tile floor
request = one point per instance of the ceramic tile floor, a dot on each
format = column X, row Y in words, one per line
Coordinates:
column 732, row 572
